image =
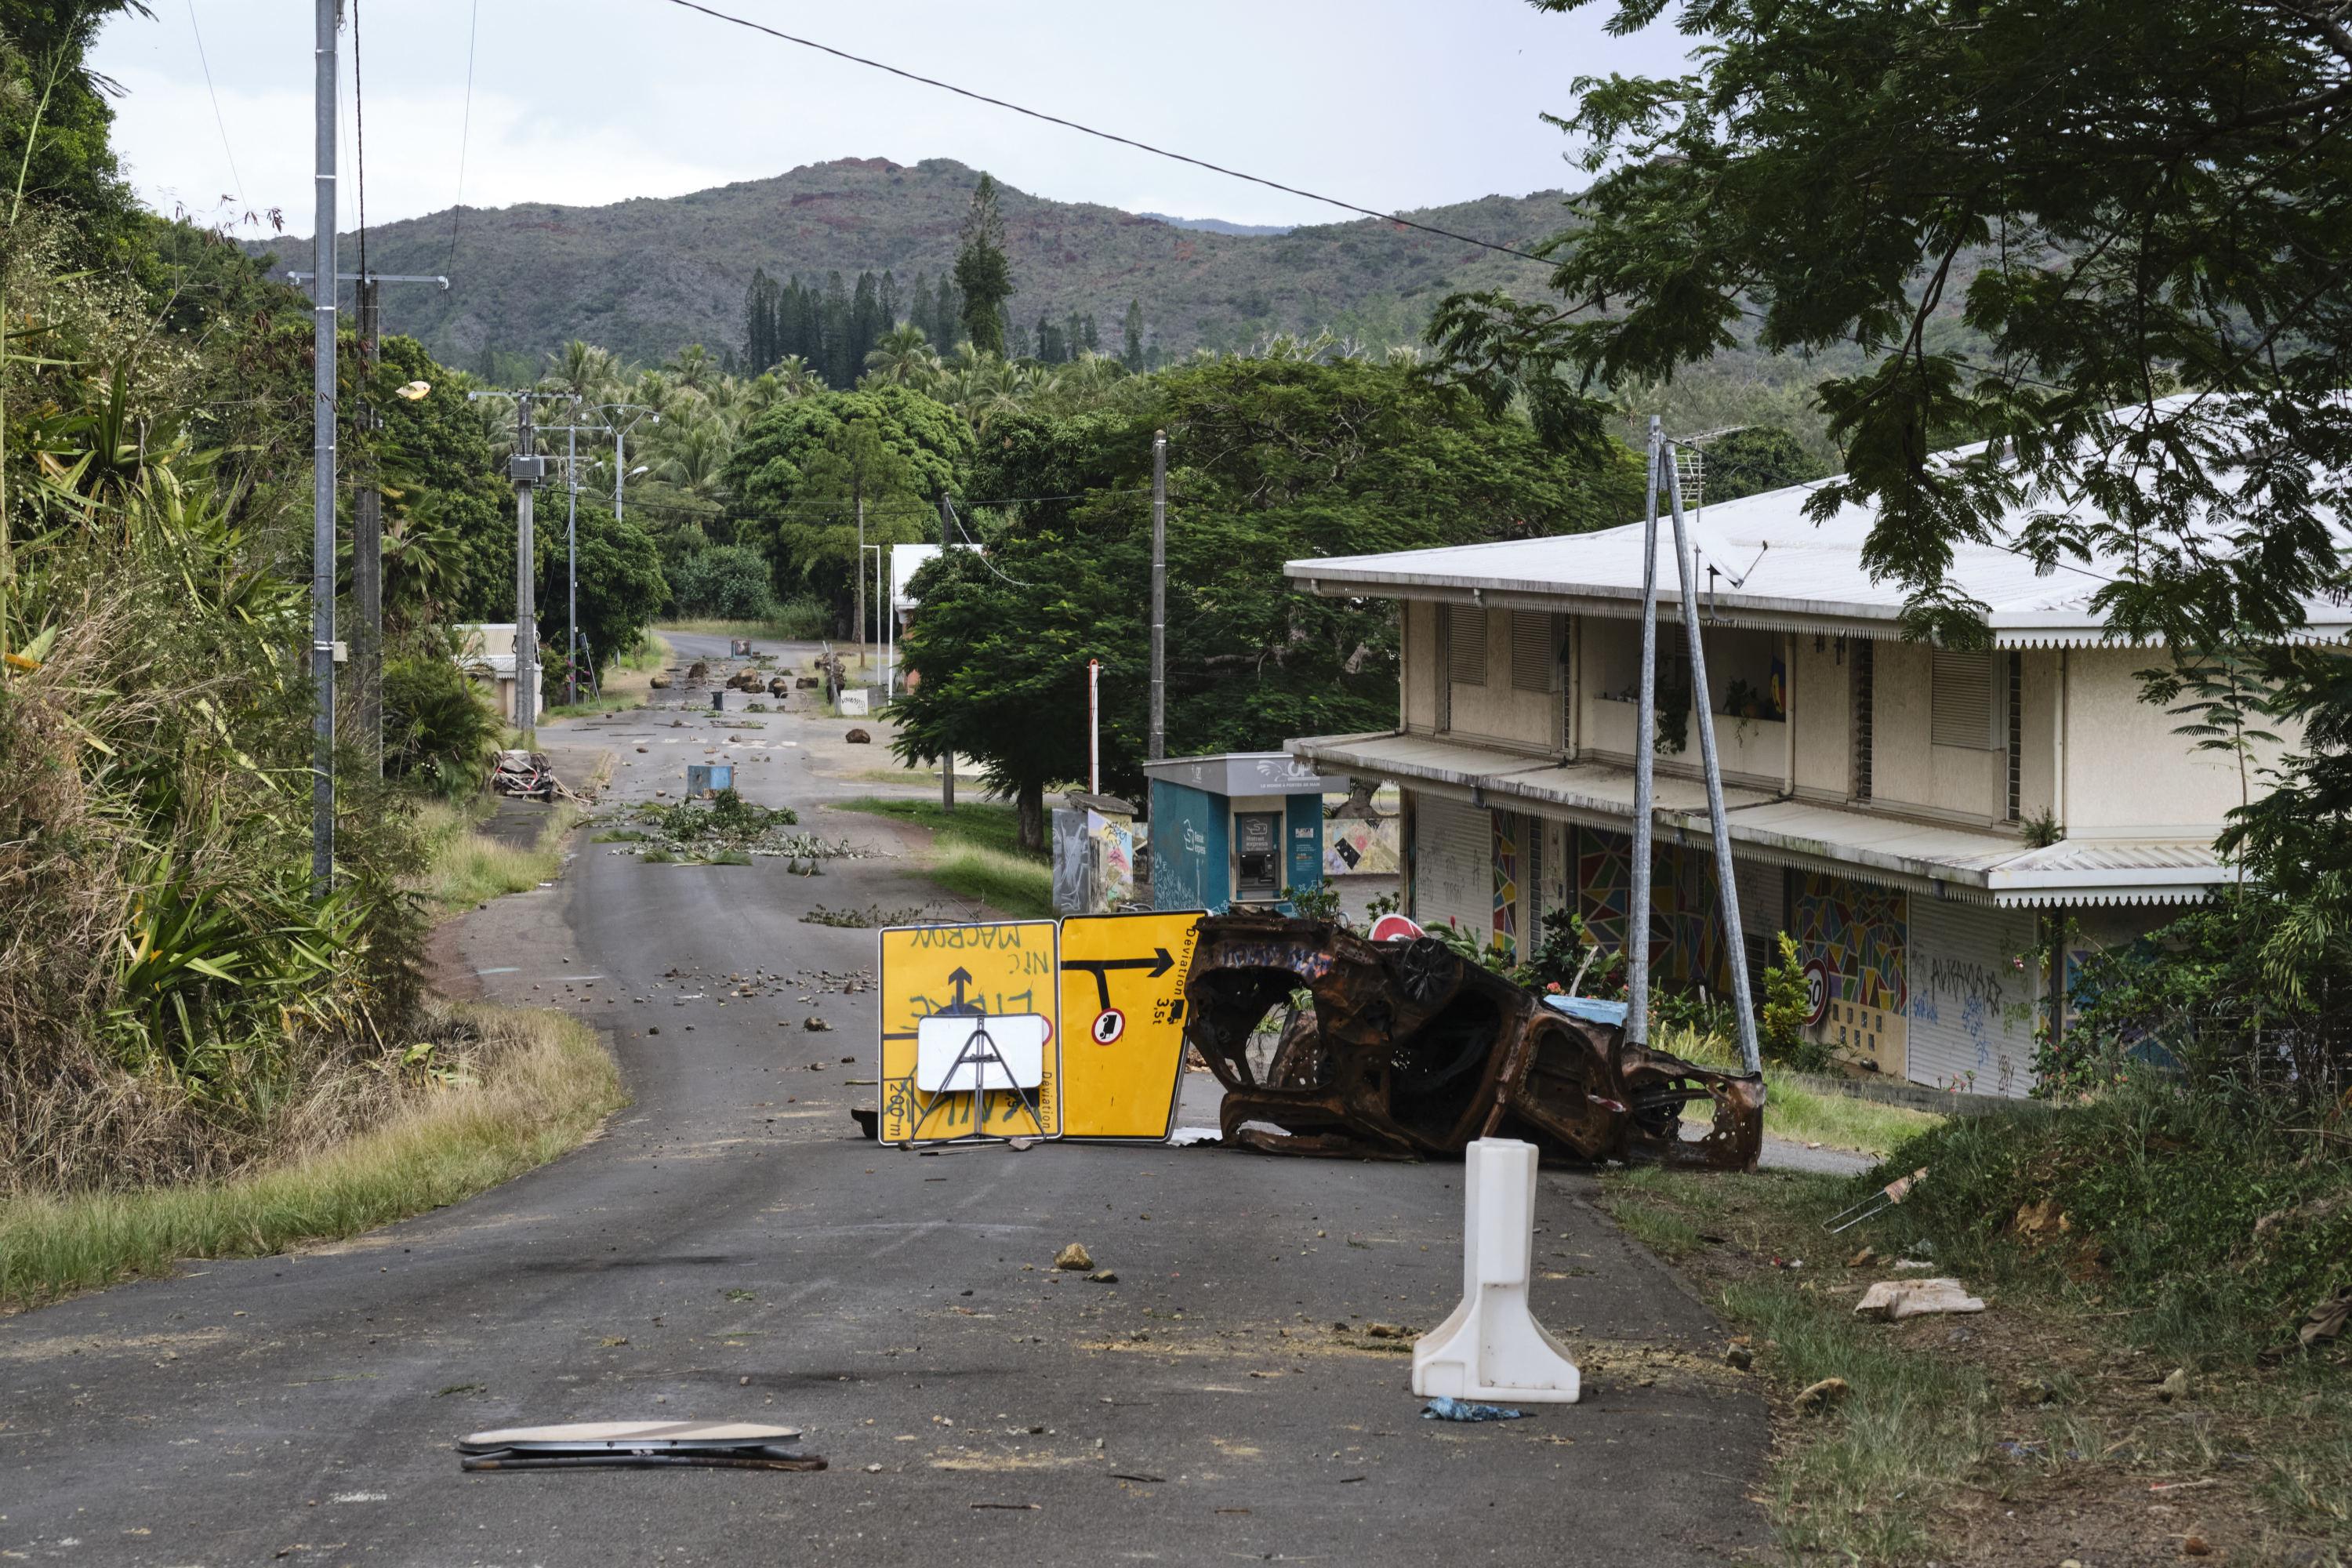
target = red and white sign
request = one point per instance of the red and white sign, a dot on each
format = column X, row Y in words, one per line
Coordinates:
column 1396, row 928
column 1819, row 986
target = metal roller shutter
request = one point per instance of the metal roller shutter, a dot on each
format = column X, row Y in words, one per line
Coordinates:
column 1453, row 866
column 1971, row 1009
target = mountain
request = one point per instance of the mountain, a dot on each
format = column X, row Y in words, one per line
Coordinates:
column 1218, row 224
column 644, row 276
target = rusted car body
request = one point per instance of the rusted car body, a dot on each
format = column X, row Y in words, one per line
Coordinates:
column 1403, row 1049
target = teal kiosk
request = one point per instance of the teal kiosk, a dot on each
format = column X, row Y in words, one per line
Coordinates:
column 1234, row 830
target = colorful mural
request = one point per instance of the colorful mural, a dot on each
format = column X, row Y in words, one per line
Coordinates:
column 1686, row 943
column 1507, row 879
column 1854, row 940
column 1859, row 933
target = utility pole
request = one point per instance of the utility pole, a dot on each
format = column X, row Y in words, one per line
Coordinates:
column 1645, row 736
column 527, row 468
column 367, row 517
column 571, row 557
column 946, row 759
column 860, row 493
column 367, row 553
column 1159, row 743
column 323, row 457
column 621, row 443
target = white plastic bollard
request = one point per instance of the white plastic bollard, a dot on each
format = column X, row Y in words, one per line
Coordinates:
column 1492, row 1347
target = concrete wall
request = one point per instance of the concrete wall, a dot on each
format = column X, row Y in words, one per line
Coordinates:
column 2127, row 772
column 1421, row 663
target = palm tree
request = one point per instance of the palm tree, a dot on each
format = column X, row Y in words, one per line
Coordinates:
column 795, row 378
column 903, row 356
column 693, row 459
column 581, row 369
column 695, row 366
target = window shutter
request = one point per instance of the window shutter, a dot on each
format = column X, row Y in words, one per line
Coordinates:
column 1465, row 643
column 1963, row 699
column 1531, row 651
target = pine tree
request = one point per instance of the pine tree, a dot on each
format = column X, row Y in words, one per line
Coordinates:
column 866, row 323
column 891, row 304
column 982, row 274
column 1092, row 339
column 837, row 369
column 946, row 325
column 1049, row 341
column 1014, row 336
column 918, row 306
column 1131, row 353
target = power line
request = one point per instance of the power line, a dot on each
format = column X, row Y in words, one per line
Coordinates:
column 1106, row 135
column 465, row 131
column 218, row 121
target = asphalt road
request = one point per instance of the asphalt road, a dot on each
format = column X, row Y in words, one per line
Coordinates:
column 730, row 1248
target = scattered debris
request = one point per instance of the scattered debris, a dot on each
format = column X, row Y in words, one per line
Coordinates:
column 2195, row 1546
column 1893, row 1300
column 1863, row 1260
column 1103, row 1277
column 1739, row 1358
column 1407, row 1049
column 2173, row 1386
column 728, row 830
column 1443, row 1408
column 858, row 738
column 1384, row 1332
column 527, row 777
column 815, row 1026
column 1822, row 1395
column 1877, row 1204
column 872, row 917
column 584, row 1443
column 2325, row 1323
column 1075, row 1256
column 2036, row 1391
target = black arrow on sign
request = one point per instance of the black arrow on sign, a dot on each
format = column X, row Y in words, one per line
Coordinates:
column 961, row 978
column 1159, row 964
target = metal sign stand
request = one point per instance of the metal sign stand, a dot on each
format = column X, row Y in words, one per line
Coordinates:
column 979, row 1054
column 1662, row 464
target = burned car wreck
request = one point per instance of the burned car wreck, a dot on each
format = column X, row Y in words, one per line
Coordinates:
column 1402, row 1048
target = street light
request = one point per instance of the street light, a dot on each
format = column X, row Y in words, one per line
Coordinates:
column 621, row 472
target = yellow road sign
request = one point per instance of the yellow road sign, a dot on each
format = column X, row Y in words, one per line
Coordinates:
column 999, row 975
column 1123, row 1011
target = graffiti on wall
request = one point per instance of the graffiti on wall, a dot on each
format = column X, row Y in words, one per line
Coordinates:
column 1854, row 940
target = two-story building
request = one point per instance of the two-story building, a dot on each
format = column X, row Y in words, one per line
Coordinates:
column 1928, row 823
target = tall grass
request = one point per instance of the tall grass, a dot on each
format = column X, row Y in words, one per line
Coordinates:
column 1802, row 1114
column 1015, row 884
column 485, row 1094
column 465, row 867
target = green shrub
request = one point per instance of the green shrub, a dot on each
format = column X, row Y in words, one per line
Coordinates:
column 723, row 582
column 438, row 729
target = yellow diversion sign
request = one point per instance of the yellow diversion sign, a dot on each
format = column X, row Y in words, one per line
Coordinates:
column 971, row 1034
column 1123, row 1008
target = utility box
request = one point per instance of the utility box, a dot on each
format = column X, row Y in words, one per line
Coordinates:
column 1093, row 853
column 704, row 780
column 1235, row 829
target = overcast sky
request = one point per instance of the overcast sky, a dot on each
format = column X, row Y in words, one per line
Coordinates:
column 1389, row 104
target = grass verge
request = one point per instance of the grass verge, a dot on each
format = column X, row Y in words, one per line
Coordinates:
column 500, row 1090
column 976, row 852
column 2117, row 1242
column 1804, row 1114
column 465, row 867
column 610, row 702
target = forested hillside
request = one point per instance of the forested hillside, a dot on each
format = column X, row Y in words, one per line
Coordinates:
column 645, row 277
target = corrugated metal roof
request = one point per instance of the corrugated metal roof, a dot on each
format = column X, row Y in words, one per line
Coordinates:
column 1773, row 566
column 1950, row 860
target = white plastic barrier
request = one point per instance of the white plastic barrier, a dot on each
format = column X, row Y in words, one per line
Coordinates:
column 1492, row 1347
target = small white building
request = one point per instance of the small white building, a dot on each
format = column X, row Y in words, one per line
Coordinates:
column 486, row 652
column 1924, row 822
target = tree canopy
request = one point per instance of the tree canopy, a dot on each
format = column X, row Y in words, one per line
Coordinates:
column 798, row 470
column 1268, row 462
